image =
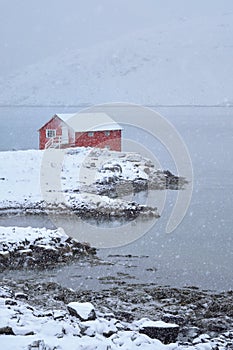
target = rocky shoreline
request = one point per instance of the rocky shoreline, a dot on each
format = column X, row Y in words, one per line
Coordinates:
column 93, row 206
column 47, row 316
column 114, row 185
column 133, row 315
column 137, row 316
column 38, row 248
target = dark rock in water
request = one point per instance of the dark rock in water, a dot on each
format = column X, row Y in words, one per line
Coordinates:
column 166, row 332
column 168, row 173
column 174, row 182
column 6, row 330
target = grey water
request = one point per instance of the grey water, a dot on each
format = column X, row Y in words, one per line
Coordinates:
column 200, row 250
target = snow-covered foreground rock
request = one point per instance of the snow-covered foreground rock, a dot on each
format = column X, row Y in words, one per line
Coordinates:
column 23, row 326
column 32, row 247
column 79, row 181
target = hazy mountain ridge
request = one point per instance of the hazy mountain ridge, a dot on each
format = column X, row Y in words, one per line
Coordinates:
column 147, row 68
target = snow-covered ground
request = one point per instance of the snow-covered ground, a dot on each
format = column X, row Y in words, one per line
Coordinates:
column 66, row 180
column 12, row 238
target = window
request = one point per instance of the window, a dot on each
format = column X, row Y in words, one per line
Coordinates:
column 50, row 133
column 107, row 133
column 90, row 134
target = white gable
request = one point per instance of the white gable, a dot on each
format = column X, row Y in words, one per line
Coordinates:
column 81, row 122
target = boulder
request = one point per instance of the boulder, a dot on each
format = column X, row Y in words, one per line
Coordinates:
column 6, row 330
column 84, row 311
column 165, row 332
column 21, row 296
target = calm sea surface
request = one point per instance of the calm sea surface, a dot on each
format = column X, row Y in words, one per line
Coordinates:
column 200, row 251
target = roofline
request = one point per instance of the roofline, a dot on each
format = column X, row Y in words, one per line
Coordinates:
column 115, row 125
column 55, row 115
column 88, row 130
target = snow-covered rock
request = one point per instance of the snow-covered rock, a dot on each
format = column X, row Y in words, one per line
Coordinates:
column 84, row 311
column 41, row 247
column 165, row 332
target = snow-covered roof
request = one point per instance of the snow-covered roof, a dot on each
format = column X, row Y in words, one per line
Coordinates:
column 81, row 122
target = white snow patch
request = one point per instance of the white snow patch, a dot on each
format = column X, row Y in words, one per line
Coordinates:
column 12, row 237
column 158, row 324
column 84, row 310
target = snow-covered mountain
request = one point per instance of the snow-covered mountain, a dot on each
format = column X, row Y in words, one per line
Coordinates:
column 187, row 61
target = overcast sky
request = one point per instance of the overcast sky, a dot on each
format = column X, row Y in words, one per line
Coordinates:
column 32, row 30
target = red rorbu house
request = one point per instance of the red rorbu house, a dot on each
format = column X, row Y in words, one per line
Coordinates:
column 81, row 130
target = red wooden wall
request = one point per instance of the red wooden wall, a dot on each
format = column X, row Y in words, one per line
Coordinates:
column 56, row 124
column 99, row 140
column 82, row 139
